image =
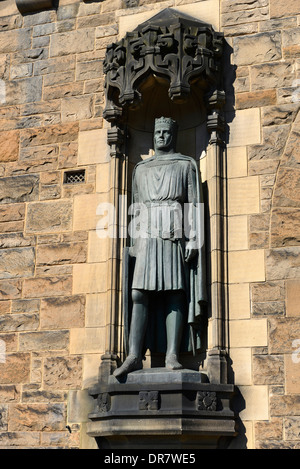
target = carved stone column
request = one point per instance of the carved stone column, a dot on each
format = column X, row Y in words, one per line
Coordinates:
column 217, row 355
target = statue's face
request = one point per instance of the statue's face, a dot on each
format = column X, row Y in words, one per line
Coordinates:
column 163, row 137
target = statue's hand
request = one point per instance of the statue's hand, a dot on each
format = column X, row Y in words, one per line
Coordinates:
column 190, row 252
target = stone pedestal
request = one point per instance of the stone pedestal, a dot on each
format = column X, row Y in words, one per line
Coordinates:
column 159, row 408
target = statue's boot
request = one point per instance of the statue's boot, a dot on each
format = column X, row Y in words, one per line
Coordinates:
column 172, row 362
column 132, row 363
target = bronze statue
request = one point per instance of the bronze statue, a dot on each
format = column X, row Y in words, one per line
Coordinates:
column 168, row 287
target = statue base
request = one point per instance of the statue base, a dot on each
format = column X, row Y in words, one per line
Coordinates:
column 161, row 408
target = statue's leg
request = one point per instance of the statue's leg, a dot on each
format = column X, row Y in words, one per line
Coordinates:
column 175, row 308
column 138, row 327
column 139, row 320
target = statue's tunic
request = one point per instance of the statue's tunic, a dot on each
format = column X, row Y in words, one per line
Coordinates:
column 158, row 183
column 162, row 186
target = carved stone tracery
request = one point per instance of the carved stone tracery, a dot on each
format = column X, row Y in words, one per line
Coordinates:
column 171, row 46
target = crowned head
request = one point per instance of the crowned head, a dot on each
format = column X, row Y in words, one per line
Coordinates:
column 165, row 133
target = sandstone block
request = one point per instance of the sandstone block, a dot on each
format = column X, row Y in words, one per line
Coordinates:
column 268, row 308
column 66, row 253
column 292, row 370
column 62, row 313
column 275, row 138
column 283, row 332
column 255, row 99
column 87, row 340
column 25, row 306
column 89, row 70
column 5, row 307
column 68, row 155
column 37, row 417
column 292, row 428
column 246, row 266
column 85, row 211
column 17, row 440
column 14, row 240
column 63, row 91
column 271, row 75
column 62, row 373
column 80, row 405
column 90, row 369
column 237, row 162
column 96, row 309
column 239, row 5
column 10, row 289
column 19, row 322
column 283, row 263
column 56, row 65
column 272, row 430
column 259, row 240
column 280, row 8
column 268, row 369
column 76, row 108
column 238, row 233
column 285, row 405
column 293, row 297
column 93, row 147
column 98, row 248
column 248, row 333
column 245, row 128
column 17, row 262
column 241, row 365
column 4, row 417
column 268, row 291
column 257, row 399
column 72, row 42
column 90, row 278
column 43, row 341
column 9, row 342
column 245, row 16
column 49, row 217
column 286, row 193
column 14, row 212
column 257, row 167
column 257, row 48
column 276, row 115
column 285, row 227
column 9, row 145
column 10, row 41
column 52, row 134
column 15, row 369
column 61, row 440
column 26, row 90
column 19, row 189
column 9, row 393
column 243, row 195
column 239, row 301
column 47, row 286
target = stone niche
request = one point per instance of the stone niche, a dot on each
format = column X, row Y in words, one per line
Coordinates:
column 171, row 65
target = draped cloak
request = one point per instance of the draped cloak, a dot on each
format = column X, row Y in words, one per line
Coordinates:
column 155, row 262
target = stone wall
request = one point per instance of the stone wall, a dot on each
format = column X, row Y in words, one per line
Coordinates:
column 54, row 271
